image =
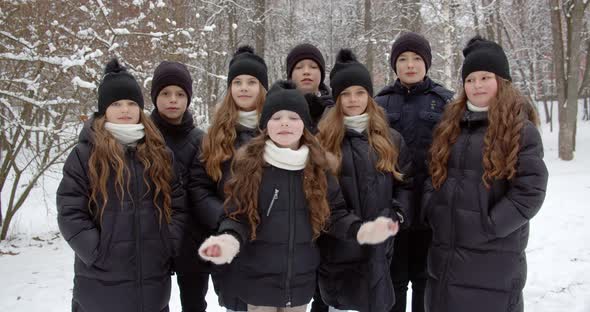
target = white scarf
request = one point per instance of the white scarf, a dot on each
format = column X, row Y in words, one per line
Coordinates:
column 285, row 158
column 474, row 108
column 357, row 123
column 126, row 134
column 248, row 119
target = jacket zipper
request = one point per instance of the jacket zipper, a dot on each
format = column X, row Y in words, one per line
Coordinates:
column 274, row 197
column 137, row 232
column 291, row 240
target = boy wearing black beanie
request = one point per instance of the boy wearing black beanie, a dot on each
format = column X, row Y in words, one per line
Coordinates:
column 171, row 95
column 306, row 67
column 414, row 104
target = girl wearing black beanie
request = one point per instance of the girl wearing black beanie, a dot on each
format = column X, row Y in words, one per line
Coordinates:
column 234, row 124
column 121, row 204
column 374, row 171
column 488, row 179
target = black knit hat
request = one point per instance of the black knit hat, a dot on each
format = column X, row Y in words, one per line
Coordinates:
column 485, row 55
column 117, row 84
column 283, row 95
column 347, row 71
column 246, row 62
column 171, row 74
column 412, row 42
column 305, row 51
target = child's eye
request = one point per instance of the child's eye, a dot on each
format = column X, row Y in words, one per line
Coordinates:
column 402, row 59
column 181, row 94
column 251, row 82
column 116, row 104
column 132, row 104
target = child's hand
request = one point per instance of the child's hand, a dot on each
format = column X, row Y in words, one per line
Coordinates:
column 220, row 249
column 212, row 251
column 376, row 232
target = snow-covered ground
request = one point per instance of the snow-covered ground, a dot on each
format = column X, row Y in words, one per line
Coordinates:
column 36, row 266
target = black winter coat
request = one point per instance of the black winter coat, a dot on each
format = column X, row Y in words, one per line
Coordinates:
column 351, row 276
column 318, row 107
column 124, row 262
column 207, row 197
column 413, row 113
column 278, row 268
column 477, row 261
column 184, row 141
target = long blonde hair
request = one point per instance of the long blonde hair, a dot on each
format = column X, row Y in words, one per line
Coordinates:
column 331, row 131
column 506, row 116
column 218, row 143
column 107, row 155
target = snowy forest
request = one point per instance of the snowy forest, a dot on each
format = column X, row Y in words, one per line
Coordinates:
column 52, row 55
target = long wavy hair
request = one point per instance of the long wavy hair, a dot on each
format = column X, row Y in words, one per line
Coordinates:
column 218, row 143
column 107, row 159
column 331, row 131
column 506, row 118
column 242, row 188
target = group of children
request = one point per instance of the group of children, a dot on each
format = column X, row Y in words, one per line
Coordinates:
column 299, row 191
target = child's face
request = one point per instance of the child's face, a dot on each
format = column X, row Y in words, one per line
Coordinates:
column 285, row 129
column 481, row 88
column 244, row 91
column 123, row 112
column 410, row 68
column 172, row 102
column 354, row 100
column 307, row 75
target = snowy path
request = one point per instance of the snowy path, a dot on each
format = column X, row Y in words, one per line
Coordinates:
column 38, row 277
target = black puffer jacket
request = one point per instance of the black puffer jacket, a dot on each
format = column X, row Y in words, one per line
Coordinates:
column 124, row 262
column 477, row 261
column 319, row 104
column 184, row 141
column 351, row 276
column 208, row 196
column 414, row 113
column 278, row 268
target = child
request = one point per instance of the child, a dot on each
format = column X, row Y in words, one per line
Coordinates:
column 172, row 89
column 414, row 104
column 307, row 69
column 374, row 174
column 119, row 204
column 235, row 123
column 488, row 181
column 279, row 201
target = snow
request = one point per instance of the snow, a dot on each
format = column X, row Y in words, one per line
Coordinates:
column 38, row 264
column 78, row 82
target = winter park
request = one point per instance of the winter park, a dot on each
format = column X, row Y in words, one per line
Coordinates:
column 292, row 156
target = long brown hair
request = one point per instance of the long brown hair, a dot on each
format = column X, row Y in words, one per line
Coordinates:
column 108, row 155
column 242, row 188
column 331, row 133
column 506, row 118
column 218, row 143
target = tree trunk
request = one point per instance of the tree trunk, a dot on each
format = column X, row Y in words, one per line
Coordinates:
column 260, row 29
column 369, row 36
column 565, row 131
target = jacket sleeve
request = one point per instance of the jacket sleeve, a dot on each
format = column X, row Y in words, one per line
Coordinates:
column 205, row 204
column 74, row 219
column 526, row 191
column 178, row 223
column 402, row 193
column 342, row 223
column 238, row 228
